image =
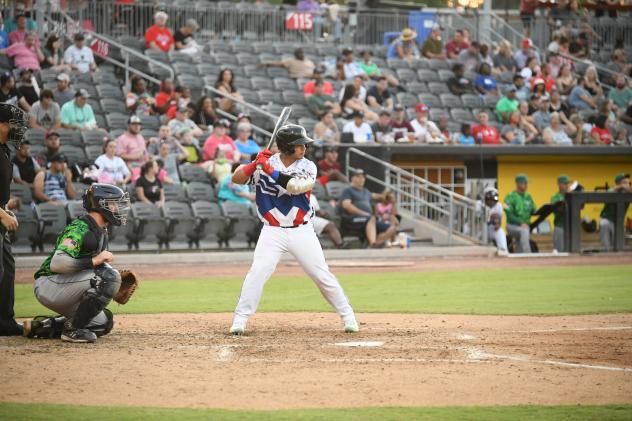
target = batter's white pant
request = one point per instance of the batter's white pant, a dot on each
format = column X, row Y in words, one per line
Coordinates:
column 303, row 244
column 606, row 234
column 499, row 236
column 523, row 237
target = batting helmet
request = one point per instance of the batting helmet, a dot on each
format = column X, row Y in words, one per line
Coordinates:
column 110, row 201
column 291, row 135
column 490, row 195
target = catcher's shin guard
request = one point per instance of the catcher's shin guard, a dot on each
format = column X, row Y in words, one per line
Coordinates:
column 103, row 287
column 105, row 328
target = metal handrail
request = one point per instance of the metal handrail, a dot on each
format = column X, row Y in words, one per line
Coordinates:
column 455, row 213
column 234, row 118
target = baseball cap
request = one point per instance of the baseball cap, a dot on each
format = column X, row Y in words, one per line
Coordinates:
column 385, row 112
column 58, row 157
column 82, row 92
column 398, row 107
column 421, row 108
column 330, row 149
column 525, row 43
column 319, row 69
column 79, row 36
column 538, row 81
column 63, row 76
column 359, row 171
column 347, row 51
column 563, row 178
column 51, row 133
column 522, row 178
column 181, row 109
column 621, row 176
column 357, row 114
column 134, row 119
column 509, row 88
column 224, row 122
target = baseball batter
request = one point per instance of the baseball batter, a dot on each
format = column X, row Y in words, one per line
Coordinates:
column 494, row 222
column 76, row 279
column 283, row 189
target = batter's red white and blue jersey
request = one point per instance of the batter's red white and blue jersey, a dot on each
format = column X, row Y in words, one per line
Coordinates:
column 275, row 206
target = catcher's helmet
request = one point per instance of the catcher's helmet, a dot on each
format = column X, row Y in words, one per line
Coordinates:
column 491, row 195
column 291, row 135
column 110, row 201
column 18, row 122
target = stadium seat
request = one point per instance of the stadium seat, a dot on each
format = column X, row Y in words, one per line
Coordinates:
column 259, row 82
column 110, row 91
column 28, row 228
column 51, row 221
column 174, row 192
column 438, row 88
column 75, row 209
column 437, row 64
column 462, row 115
column 80, row 189
column 416, row 88
column 190, row 172
column 35, row 136
column 22, row 192
column 430, row 100
column 247, row 58
column 395, row 63
column 157, row 55
column 471, row 101
column 285, row 84
column 445, row 75
column 185, row 68
column 210, row 221
column 407, row 99
column 335, row 189
column 242, row 221
column 268, row 96
column 320, row 191
column 419, row 63
column 158, row 71
column 74, row 154
column 179, row 57
column 146, row 220
column 426, row 75
column 450, row 101
column 113, row 105
column 406, row 74
column 180, row 223
column 277, row 72
column 293, row 98
column 196, row 191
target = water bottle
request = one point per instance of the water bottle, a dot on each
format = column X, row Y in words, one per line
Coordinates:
column 369, row 136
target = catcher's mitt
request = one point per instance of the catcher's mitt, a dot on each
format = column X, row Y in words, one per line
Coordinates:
column 129, row 282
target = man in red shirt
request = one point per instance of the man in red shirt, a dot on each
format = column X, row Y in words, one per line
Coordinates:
column 457, row 44
column 308, row 88
column 483, row 133
column 220, row 140
column 329, row 169
column 158, row 35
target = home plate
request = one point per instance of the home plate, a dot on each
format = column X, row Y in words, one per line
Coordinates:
column 360, row 344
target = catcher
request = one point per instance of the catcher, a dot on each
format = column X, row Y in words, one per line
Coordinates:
column 76, row 280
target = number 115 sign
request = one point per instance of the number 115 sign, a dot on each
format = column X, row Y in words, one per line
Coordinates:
column 297, row 21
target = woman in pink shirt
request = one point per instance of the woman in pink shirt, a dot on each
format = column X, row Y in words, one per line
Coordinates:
column 26, row 55
column 220, row 140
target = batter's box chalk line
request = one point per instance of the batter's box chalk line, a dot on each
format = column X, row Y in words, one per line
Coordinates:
column 359, row 344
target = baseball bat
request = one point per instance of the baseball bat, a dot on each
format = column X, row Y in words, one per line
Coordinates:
column 283, row 118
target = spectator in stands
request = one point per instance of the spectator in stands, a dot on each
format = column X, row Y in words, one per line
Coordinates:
column 20, row 10
column 360, row 90
column 170, row 161
column 378, row 96
column 507, row 104
column 454, row 47
column 26, row 54
column 405, row 46
column 21, row 31
column 443, row 126
column 360, row 129
column 191, row 144
column 527, row 14
column 526, row 119
column 485, row 134
column 79, row 56
column 471, row 58
column 53, row 57
column 324, row 226
column 522, row 90
column 607, row 215
column 233, row 192
column 4, row 38
column 382, row 129
column 54, row 185
column 485, row 83
column 326, row 129
column 27, row 87
column 554, row 64
column 220, row 140
column 542, row 117
column 432, row 47
column 247, row 147
column 486, row 58
column 459, row 84
column 600, row 134
column 166, row 97
column 78, row 114
column 592, row 84
column 297, row 67
column 464, row 137
column 357, row 211
column 64, row 92
column 530, row 70
column 112, row 168
column 45, row 113
column 131, row 145
column 351, row 69
column 556, row 104
column 402, row 131
column 164, row 136
column 425, row 130
column 557, row 133
column 580, row 98
column 183, row 38
column 622, row 94
column 519, row 206
column 158, row 36
column 52, row 142
column 309, row 87
column 619, row 64
column 565, row 81
column 9, row 94
column 525, row 52
column 25, row 167
column 372, row 71
column 182, row 120
column 225, row 83
column 320, row 103
column 513, row 133
column 350, row 104
column 138, row 100
column 503, row 60
column 205, row 117
column 148, row 186
column 329, row 168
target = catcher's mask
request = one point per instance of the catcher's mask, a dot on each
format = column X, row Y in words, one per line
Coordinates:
column 110, row 201
column 490, row 196
column 18, row 122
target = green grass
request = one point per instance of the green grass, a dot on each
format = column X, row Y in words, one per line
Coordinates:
column 532, row 291
column 69, row 413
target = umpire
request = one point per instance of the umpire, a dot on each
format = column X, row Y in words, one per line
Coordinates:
column 13, row 125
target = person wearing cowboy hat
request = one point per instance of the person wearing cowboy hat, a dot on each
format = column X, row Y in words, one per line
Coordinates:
column 404, row 47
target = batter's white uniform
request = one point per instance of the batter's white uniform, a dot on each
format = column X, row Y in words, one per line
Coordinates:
column 497, row 235
column 287, row 228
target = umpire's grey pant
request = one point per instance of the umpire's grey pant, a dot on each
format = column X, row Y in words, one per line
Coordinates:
column 558, row 239
column 63, row 293
column 523, row 237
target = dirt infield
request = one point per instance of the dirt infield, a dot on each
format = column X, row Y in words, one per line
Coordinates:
column 298, row 360
column 171, row 271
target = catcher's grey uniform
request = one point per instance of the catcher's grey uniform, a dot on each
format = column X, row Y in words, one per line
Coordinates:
column 67, row 275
